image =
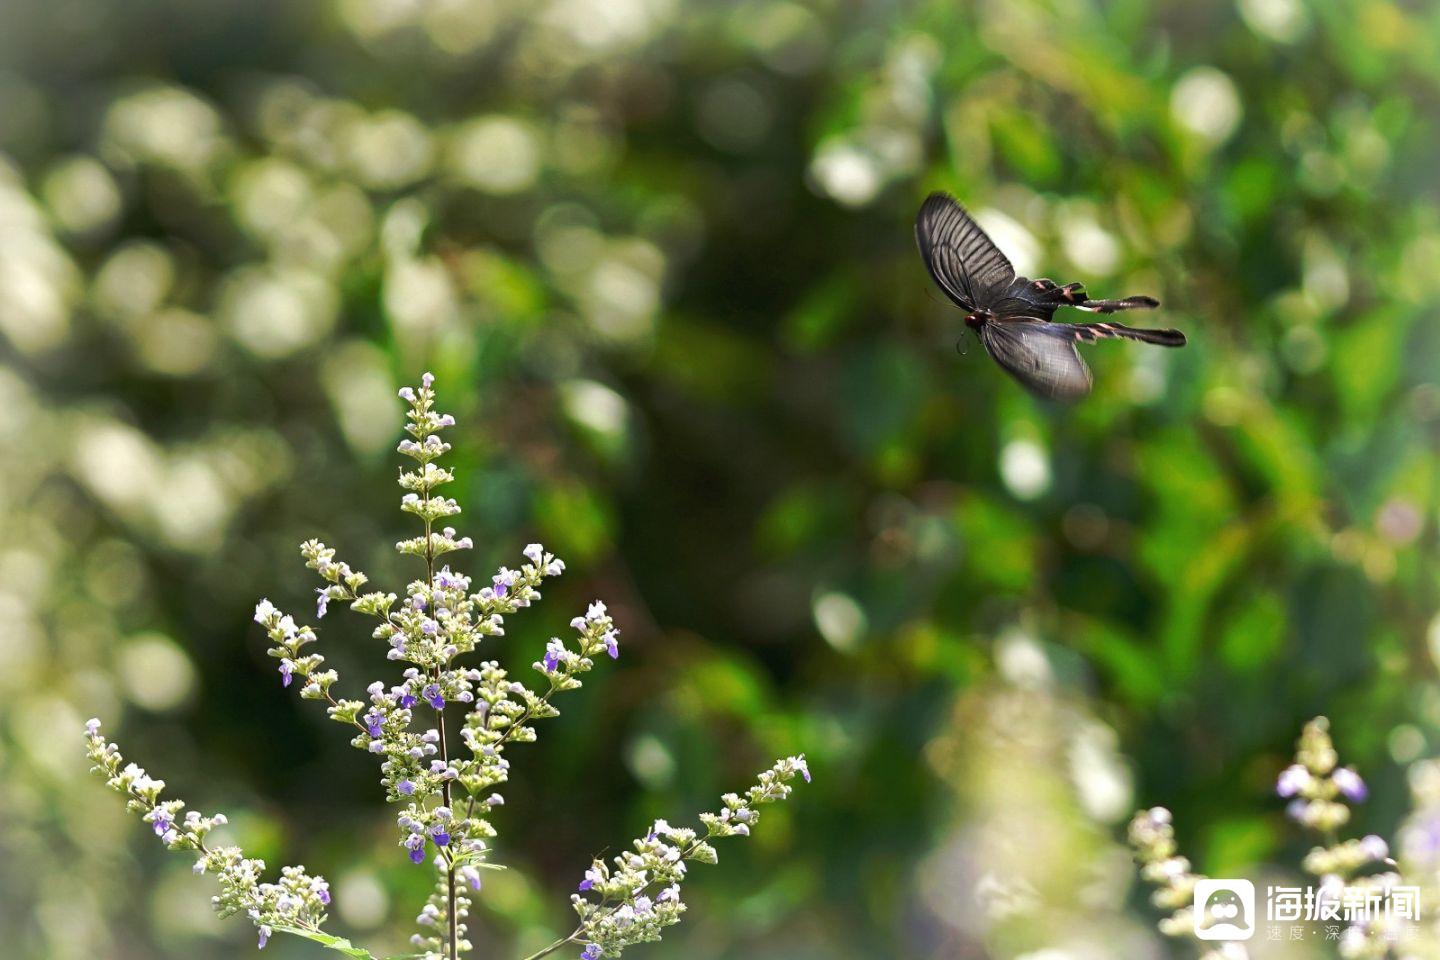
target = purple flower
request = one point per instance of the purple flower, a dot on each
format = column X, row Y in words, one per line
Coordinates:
column 324, row 896
column 372, row 724
column 1348, row 782
column 432, row 695
column 264, row 938
column 162, row 825
column 322, row 600
column 1293, row 779
column 407, row 394
column 551, row 661
column 406, row 787
column 612, row 646
column 287, row 668
column 407, row 700
column 416, row 844
column 471, row 876
column 804, row 768
column 442, row 839
column 502, row 587
column 591, row 952
column 429, row 627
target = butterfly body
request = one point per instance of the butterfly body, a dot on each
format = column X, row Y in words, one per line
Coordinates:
column 1012, row 315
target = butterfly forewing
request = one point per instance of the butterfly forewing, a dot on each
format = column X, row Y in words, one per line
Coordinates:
column 1041, row 355
column 963, row 260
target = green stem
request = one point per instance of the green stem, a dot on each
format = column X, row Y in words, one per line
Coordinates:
column 523, row 719
column 454, row 921
column 556, row 945
column 685, row 853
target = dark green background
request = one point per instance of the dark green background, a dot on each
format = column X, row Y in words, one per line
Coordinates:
column 692, row 348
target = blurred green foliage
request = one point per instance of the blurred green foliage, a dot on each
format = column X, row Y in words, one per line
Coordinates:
column 658, row 254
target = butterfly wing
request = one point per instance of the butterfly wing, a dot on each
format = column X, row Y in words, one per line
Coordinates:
column 963, row 260
column 1090, row 332
column 1041, row 355
column 1037, row 299
column 1040, row 299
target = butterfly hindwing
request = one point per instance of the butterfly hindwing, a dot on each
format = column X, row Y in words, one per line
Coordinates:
column 1139, row 302
column 1041, row 355
column 1090, row 332
column 1037, row 299
column 963, row 260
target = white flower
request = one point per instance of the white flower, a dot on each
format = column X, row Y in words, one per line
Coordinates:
column 1374, row 847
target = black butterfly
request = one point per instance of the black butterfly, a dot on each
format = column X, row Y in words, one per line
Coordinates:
column 1012, row 315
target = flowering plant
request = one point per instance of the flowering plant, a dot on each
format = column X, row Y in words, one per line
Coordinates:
column 447, row 797
column 1354, row 871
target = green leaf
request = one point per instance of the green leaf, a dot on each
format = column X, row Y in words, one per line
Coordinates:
column 329, row 942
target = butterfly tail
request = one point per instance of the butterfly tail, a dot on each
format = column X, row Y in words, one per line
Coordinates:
column 1111, row 306
column 1090, row 332
column 1047, row 295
